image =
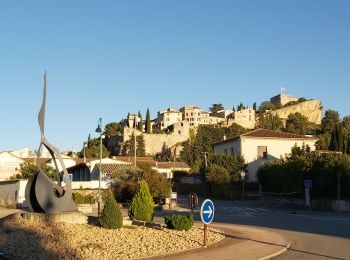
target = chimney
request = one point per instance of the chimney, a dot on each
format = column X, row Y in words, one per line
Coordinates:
column 224, row 137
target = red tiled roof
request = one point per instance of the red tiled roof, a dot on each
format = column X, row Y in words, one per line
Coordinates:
column 266, row 133
column 274, row 134
column 130, row 159
column 169, row 165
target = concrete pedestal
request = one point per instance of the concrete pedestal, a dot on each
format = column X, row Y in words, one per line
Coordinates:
column 63, row 217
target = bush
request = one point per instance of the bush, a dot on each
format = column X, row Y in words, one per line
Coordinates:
column 111, row 217
column 81, row 199
column 142, row 204
column 217, row 175
column 179, row 222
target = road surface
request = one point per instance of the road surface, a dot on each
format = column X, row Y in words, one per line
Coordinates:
column 313, row 235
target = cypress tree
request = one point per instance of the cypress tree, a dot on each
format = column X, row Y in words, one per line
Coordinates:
column 334, row 142
column 140, row 149
column 148, row 122
column 254, row 106
column 340, row 137
column 140, row 123
column 111, row 217
column 142, row 204
column 89, row 141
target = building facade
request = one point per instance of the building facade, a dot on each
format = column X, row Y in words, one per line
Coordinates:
column 261, row 146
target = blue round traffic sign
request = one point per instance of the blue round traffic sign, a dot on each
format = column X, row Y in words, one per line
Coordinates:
column 207, row 211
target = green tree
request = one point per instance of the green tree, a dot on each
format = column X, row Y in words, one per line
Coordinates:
column 89, row 141
column 216, row 107
column 254, row 106
column 27, row 170
column 93, row 150
column 111, row 216
column 148, row 129
column 330, row 121
column 240, row 106
column 266, row 105
column 297, row 123
column 142, row 204
column 112, row 129
column 233, row 164
column 158, row 186
column 346, row 123
column 217, row 175
column 140, row 123
column 140, row 149
column 269, row 121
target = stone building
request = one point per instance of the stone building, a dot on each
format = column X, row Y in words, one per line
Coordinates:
column 282, row 99
column 168, row 117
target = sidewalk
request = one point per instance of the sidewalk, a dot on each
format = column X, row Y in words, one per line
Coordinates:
column 241, row 242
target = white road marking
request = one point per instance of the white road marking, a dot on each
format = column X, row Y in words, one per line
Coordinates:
column 263, row 209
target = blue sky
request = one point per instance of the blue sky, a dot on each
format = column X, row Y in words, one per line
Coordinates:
column 108, row 58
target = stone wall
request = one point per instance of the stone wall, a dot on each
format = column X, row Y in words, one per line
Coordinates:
column 312, row 109
column 155, row 142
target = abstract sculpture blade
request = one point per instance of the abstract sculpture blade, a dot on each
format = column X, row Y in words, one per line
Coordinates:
column 42, row 194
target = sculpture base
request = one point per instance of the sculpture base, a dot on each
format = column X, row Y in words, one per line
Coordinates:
column 62, row 217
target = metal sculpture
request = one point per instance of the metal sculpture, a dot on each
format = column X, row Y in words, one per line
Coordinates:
column 42, row 194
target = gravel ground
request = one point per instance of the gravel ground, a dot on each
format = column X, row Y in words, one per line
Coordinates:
column 26, row 240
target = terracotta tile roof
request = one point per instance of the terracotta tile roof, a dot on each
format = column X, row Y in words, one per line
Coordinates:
column 39, row 160
column 169, row 165
column 274, row 134
column 112, row 167
column 130, row 159
column 266, row 133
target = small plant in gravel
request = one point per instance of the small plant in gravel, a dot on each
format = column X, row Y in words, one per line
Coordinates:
column 179, row 222
column 111, row 216
column 142, row 204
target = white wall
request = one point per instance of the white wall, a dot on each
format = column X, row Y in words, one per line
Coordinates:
column 275, row 149
column 248, row 148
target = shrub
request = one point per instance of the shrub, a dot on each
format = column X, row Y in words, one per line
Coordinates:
column 179, row 222
column 81, row 199
column 217, row 175
column 111, row 217
column 142, row 204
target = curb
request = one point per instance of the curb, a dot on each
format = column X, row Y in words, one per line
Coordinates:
column 277, row 253
column 183, row 250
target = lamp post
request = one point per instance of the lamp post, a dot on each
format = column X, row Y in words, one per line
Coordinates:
column 243, row 174
column 99, row 199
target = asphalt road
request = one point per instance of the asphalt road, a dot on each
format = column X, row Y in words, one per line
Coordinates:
column 313, row 235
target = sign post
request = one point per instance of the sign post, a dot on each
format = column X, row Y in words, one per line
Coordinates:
column 207, row 216
column 308, row 186
column 192, row 201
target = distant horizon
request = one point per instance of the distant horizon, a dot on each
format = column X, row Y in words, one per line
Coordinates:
column 105, row 59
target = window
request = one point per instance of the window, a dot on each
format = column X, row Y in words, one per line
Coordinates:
column 262, row 152
column 191, row 114
column 179, row 134
column 186, row 114
column 232, row 152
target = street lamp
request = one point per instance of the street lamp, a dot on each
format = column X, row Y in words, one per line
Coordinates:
column 99, row 198
column 243, row 174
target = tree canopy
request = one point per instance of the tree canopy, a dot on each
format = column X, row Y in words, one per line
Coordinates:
column 216, row 107
column 297, row 123
column 112, row 129
column 330, row 121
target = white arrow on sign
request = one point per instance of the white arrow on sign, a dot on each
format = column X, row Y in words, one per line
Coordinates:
column 210, row 211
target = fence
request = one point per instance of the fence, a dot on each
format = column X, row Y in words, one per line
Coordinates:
column 291, row 199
